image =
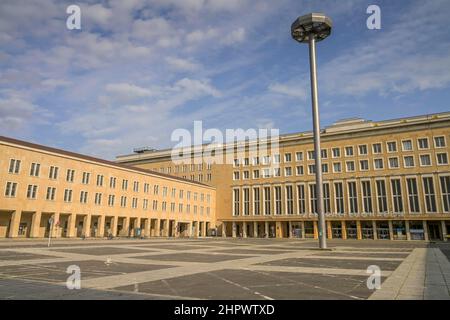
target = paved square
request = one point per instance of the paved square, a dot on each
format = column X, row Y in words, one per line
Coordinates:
column 232, row 269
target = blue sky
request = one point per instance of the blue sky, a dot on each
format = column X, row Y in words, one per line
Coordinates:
column 140, row 69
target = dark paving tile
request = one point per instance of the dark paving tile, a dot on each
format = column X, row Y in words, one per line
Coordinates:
column 334, row 263
column 254, row 252
column 363, row 254
column 101, row 251
column 174, row 246
column 56, row 272
column 10, row 255
column 193, row 257
column 244, row 285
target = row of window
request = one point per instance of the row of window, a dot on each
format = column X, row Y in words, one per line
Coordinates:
column 15, row 166
column 184, row 168
column 350, row 166
column 349, row 151
column 32, row 190
column 373, row 194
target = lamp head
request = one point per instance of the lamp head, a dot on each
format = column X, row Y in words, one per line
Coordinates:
column 312, row 24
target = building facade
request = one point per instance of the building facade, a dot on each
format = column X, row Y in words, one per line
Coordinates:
column 51, row 192
column 382, row 180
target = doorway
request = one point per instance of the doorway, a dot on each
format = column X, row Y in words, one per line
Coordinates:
column 434, row 230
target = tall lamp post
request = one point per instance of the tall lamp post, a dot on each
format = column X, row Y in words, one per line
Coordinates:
column 312, row 28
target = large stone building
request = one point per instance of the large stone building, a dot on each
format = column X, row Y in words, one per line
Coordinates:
column 51, row 192
column 382, row 180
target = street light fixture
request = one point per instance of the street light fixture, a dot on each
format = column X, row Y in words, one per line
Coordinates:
column 312, row 28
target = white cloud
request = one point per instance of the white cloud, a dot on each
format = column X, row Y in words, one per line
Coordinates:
column 126, row 90
column 296, row 91
column 179, row 64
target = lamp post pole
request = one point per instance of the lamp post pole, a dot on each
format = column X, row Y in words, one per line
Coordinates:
column 317, row 149
column 310, row 29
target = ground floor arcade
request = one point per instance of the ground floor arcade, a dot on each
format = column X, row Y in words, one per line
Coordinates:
column 340, row 229
column 17, row 224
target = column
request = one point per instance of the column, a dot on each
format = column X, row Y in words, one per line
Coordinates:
column 101, row 226
column 358, row 230
column 329, row 232
column 255, row 229
column 302, row 224
column 266, row 229
column 158, row 228
column 224, row 229
column 425, row 230
column 57, row 227
column 391, row 230
column 316, row 231
column 290, row 230
column 36, row 224
column 14, row 226
column 114, row 221
column 408, row 234
column 87, row 226
column 234, row 230
column 71, row 232
column 147, row 225
column 204, row 229
column 137, row 224
column 166, row 226
column 344, row 230
column 444, row 230
column 126, row 227
column 244, row 229
column 374, row 228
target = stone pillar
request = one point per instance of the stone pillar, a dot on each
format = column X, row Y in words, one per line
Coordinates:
column 15, row 222
column 425, row 230
column 114, row 221
column 137, row 224
column 36, row 224
column 126, row 227
column 316, row 230
column 244, row 229
column 344, row 230
column 71, row 232
column 101, row 226
column 408, row 234
column 224, row 229
column 255, row 229
column 234, row 229
column 87, row 226
column 391, row 230
column 358, row 230
column 57, row 227
column 204, row 231
column 302, row 225
column 157, row 228
column 444, row 230
column 174, row 228
column 329, row 231
column 290, row 230
column 266, row 229
column 374, row 228
column 147, row 225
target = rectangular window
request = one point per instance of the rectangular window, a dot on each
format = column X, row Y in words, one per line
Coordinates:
column 325, row 168
column 348, row 151
column 339, row 197
column 408, row 161
column 34, row 170
column 256, row 201
column 267, row 210
column 381, row 196
column 299, row 156
column 366, row 196
column 51, row 191
column 278, row 200
column 301, row 199
column 288, row 171
column 299, row 170
column 407, row 145
column 311, row 169
column 32, row 191
column 430, row 197
column 350, row 166
column 67, row 195
column 413, row 195
column 53, row 173
column 14, row 166
column 376, row 148
column 337, row 167
column 324, row 153
column 112, row 183
column 336, row 152
column 425, row 160
column 123, row 201
column 99, row 180
column 246, row 175
column 363, row 165
column 392, row 146
column 311, row 155
column 326, row 198
column 236, row 175
column 289, row 200
column 11, row 188
column 445, row 191
column 397, row 195
column 393, row 163
column 313, row 198
column 423, row 143
column 236, row 201
column 352, row 197
column 442, row 159
column 255, row 174
column 124, row 184
column 85, row 179
column 98, row 198
column 276, row 172
column 362, row 150
column 378, row 164
column 439, row 142
column 287, row 157
column 83, row 196
column 246, row 201
column 111, row 199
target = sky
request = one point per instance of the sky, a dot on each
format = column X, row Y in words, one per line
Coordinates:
column 138, row 70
